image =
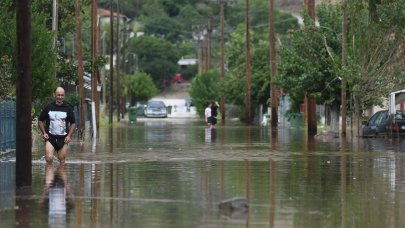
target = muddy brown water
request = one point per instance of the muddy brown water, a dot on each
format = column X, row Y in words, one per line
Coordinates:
column 174, row 173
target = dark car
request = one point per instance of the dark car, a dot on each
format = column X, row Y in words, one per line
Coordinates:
column 156, row 108
column 189, row 102
column 381, row 123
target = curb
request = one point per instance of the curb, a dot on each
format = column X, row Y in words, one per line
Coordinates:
column 7, row 154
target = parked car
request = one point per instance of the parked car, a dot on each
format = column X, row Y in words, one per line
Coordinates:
column 381, row 123
column 189, row 102
column 156, row 108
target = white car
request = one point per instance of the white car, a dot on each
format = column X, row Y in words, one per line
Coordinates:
column 156, row 108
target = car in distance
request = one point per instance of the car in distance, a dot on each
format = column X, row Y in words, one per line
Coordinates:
column 156, row 108
column 189, row 102
column 381, row 123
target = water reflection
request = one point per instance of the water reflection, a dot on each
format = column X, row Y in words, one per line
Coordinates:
column 210, row 135
column 57, row 196
column 173, row 175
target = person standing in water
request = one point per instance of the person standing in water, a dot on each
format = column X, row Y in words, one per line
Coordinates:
column 57, row 124
column 214, row 113
column 207, row 114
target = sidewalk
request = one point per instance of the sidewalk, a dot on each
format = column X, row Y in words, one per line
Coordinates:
column 6, row 154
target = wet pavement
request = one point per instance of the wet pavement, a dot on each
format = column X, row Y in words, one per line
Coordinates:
column 174, row 173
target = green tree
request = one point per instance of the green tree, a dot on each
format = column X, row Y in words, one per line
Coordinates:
column 204, row 89
column 43, row 57
column 5, row 77
column 156, row 57
column 139, row 87
column 311, row 64
column 377, row 34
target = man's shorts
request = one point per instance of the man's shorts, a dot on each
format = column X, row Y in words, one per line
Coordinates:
column 209, row 120
column 57, row 141
column 214, row 120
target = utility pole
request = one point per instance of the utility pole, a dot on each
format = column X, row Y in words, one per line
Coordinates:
column 110, row 114
column 209, row 31
column 222, row 4
column 311, row 101
column 79, row 58
column 200, row 37
column 55, row 24
column 24, row 95
column 222, row 61
column 273, row 66
column 94, row 54
column 344, row 79
column 118, row 64
column 248, row 59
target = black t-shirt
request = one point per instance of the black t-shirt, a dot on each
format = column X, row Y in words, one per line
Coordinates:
column 58, row 118
column 214, row 111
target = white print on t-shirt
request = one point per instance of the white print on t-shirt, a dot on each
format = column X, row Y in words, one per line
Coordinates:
column 57, row 122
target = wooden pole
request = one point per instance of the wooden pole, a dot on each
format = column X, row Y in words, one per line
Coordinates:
column 79, row 58
column 94, row 53
column 24, row 95
column 344, row 79
column 110, row 114
column 311, row 101
column 222, row 61
column 273, row 66
column 118, row 63
column 248, row 59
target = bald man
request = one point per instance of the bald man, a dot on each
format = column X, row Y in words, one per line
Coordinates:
column 57, row 124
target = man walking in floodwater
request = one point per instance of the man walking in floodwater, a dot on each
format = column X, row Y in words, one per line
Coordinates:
column 57, row 124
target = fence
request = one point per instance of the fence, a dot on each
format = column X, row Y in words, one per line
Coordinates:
column 7, row 125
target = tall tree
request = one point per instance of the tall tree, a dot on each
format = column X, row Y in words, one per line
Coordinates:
column 376, row 57
column 156, row 57
column 138, row 87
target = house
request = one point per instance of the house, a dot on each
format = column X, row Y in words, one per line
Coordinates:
column 104, row 16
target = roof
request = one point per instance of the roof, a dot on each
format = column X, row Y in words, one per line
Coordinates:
column 106, row 13
column 182, row 62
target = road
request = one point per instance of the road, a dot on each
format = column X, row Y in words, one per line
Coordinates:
column 175, row 95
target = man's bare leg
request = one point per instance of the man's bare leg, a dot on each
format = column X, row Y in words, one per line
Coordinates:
column 49, row 152
column 62, row 154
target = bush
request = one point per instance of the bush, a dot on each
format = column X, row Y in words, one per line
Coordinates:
column 204, row 89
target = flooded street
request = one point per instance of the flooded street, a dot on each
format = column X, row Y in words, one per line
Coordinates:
column 175, row 172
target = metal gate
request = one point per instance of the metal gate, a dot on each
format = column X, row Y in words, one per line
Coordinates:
column 7, row 125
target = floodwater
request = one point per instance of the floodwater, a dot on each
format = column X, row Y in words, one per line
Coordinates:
column 175, row 172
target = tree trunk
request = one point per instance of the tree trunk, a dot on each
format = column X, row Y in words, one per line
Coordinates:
column 357, row 117
column 334, row 117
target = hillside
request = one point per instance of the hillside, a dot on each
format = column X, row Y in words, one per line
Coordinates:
column 176, row 91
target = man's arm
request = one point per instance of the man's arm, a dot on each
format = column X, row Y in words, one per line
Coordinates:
column 71, row 131
column 41, row 125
